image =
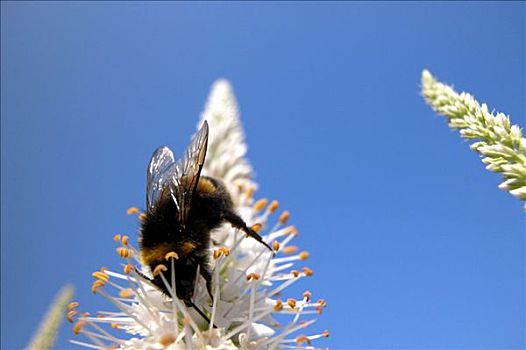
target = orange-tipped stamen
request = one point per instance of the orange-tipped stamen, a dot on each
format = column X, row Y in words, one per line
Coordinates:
column 291, row 249
column 167, row 339
column 126, row 293
column 304, row 255
column 300, row 339
column 250, row 192
column 171, row 255
column 322, row 302
column 225, row 251
column 77, row 327
column 158, row 269
column 117, row 237
column 124, row 252
column 307, row 295
column 101, row 276
column 275, row 246
column 142, row 216
column 256, row 227
column 127, row 269
column 308, row 272
column 114, row 325
column 72, row 305
column 291, row 302
column 325, row 333
column 132, row 211
column 96, row 285
column 260, row 204
column 253, row 276
column 278, row 306
column 124, row 240
column 216, row 254
column 70, row 315
column 273, row 206
column 295, row 273
column 284, row 217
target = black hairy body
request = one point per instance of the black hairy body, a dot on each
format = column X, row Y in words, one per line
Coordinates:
column 182, row 208
column 161, row 233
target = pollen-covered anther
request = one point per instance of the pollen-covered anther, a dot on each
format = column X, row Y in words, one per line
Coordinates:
column 275, row 246
column 77, row 327
column 250, row 192
column 72, row 305
column 307, row 295
column 96, row 285
column 99, row 275
column 225, row 251
column 290, row 230
column 300, row 339
column 284, row 217
column 256, row 227
column 308, row 272
column 158, row 269
column 253, row 276
column 291, row 249
column 273, row 206
column 117, row 237
column 322, row 302
column 167, row 339
column 70, row 315
column 124, row 240
column 295, row 273
column 291, row 302
column 114, row 325
column 132, row 211
column 216, row 254
column 142, row 216
column 325, row 333
column 127, row 269
column 278, row 306
column 126, row 293
column 171, row 255
column 260, row 204
column 124, row 252
column 304, row 255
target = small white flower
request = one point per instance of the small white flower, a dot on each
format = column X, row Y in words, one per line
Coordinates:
column 247, row 277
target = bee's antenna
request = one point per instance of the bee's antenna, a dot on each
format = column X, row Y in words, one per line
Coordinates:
column 200, row 312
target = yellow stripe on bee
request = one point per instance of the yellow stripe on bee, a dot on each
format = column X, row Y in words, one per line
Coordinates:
column 156, row 254
column 205, row 185
column 164, row 251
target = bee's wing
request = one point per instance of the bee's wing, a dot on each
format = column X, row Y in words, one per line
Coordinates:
column 157, row 175
column 187, row 171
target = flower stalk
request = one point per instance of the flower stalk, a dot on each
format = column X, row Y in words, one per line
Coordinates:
column 500, row 143
column 46, row 334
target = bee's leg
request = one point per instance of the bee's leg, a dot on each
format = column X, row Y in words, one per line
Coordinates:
column 208, row 278
column 237, row 222
column 142, row 274
column 190, row 303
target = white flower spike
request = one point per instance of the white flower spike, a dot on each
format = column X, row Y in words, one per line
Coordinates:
column 247, row 277
column 501, row 145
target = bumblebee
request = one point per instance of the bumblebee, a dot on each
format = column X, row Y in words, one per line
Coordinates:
column 182, row 207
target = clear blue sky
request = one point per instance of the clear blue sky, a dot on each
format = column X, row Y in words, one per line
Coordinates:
column 412, row 243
